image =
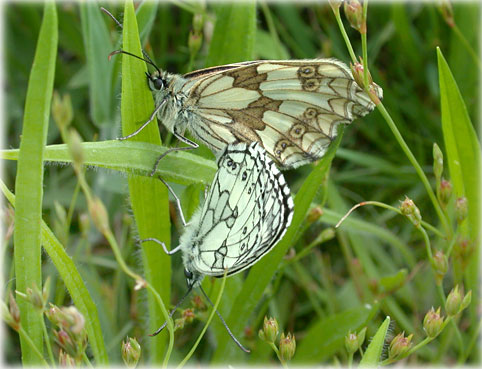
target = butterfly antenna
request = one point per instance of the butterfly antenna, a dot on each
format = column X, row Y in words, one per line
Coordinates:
column 147, row 60
column 119, row 24
column 224, row 323
column 172, row 312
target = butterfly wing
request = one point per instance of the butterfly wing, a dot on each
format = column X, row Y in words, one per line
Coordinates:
column 245, row 214
column 291, row 107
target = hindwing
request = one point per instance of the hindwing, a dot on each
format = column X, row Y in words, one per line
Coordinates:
column 246, row 212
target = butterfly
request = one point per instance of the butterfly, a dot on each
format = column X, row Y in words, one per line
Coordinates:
column 246, row 212
column 291, row 107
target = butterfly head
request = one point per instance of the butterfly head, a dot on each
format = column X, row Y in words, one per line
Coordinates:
column 193, row 279
column 157, row 81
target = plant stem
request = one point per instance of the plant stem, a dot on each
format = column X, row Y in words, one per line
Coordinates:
column 467, row 46
column 275, row 349
column 365, row 48
column 47, row 343
column 417, row 167
column 215, row 307
column 34, row 348
column 345, row 36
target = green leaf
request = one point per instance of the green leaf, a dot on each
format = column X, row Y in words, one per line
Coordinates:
column 29, row 181
column 234, row 33
column 74, row 283
column 98, row 46
column 374, row 350
column 134, row 158
column 263, row 271
column 149, row 198
column 463, row 158
column 326, row 336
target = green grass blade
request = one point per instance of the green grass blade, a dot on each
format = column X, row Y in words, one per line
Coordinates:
column 261, row 273
column 374, row 350
column 29, row 180
column 149, row 198
column 463, row 158
column 98, row 45
column 134, row 158
column 74, row 283
column 327, row 336
column 234, row 33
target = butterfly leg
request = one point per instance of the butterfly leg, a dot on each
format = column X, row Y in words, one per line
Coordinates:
column 192, row 146
column 151, row 118
column 178, row 202
column 168, row 252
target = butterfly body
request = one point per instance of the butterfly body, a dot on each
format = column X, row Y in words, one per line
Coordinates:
column 246, row 212
column 292, row 108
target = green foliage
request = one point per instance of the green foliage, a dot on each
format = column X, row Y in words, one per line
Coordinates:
column 377, row 265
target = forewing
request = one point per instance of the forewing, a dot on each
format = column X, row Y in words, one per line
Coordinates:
column 248, row 210
column 291, row 107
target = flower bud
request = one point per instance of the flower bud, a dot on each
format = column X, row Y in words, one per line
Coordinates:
column 84, row 224
column 444, row 192
column 131, row 352
column 197, row 22
column 358, row 74
column 62, row 111
column 75, row 318
column 65, row 342
column 188, row 315
column 445, row 8
column 440, row 265
column 194, row 42
column 454, row 301
column 66, row 360
column 14, row 312
column 438, row 162
column 354, row 14
column 314, row 214
column 461, row 209
column 335, row 5
column 410, row 210
column 99, row 214
column 287, row 347
column 198, row 303
column 399, row 345
column 74, row 143
column 432, row 323
column 34, row 296
column 353, row 341
column 54, row 314
column 270, row 330
column 466, row 301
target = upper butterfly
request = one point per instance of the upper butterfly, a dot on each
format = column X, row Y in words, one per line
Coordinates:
column 291, row 107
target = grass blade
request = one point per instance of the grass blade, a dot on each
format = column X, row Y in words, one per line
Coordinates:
column 234, row 33
column 29, row 180
column 74, row 283
column 97, row 47
column 149, row 198
column 374, row 350
column 134, row 158
column 327, row 336
column 463, row 158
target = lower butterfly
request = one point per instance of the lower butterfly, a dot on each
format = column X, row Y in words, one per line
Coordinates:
column 246, row 212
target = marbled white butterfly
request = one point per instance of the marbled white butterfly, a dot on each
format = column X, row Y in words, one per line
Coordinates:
column 292, row 107
column 246, row 212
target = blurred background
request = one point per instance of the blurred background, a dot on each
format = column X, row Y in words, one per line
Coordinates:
column 369, row 165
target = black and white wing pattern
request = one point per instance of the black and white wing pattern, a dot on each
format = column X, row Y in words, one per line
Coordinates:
column 292, row 107
column 246, row 212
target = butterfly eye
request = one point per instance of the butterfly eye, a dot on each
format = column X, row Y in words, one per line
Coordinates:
column 158, row 83
column 188, row 274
